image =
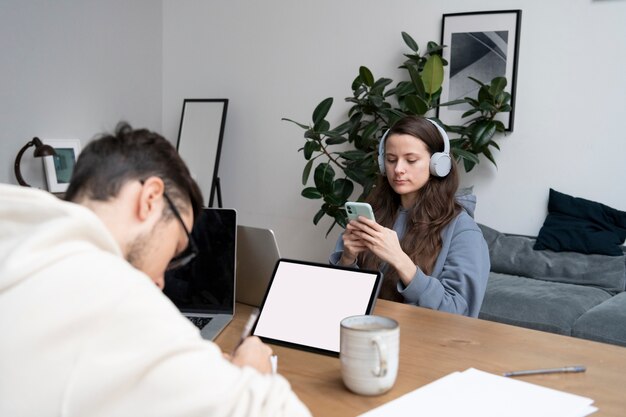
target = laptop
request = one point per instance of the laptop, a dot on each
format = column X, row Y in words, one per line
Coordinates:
column 306, row 302
column 257, row 253
column 204, row 289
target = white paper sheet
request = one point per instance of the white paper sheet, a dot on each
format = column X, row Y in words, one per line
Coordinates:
column 478, row 393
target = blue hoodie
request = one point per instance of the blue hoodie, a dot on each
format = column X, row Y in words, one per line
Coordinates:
column 459, row 278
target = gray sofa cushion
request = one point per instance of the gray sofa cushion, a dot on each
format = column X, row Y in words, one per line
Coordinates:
column 515, row 255
column 536, row 304
column 605, row 322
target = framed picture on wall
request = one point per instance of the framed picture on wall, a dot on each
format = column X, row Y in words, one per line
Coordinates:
column 481, row 45
column 59, row 168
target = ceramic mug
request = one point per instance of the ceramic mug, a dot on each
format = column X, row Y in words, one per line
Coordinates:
column 369, row 348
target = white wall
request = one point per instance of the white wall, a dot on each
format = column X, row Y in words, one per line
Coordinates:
column 74, row 68
column 278, row 58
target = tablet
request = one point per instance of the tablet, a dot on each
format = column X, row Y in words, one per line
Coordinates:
column 305, row 302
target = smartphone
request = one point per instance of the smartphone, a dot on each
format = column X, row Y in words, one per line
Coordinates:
column 355, row 209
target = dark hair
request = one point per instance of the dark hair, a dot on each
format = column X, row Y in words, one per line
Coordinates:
column 111, row 160
column 435, row 207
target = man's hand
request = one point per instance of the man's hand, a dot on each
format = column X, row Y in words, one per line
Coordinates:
column 252, row 352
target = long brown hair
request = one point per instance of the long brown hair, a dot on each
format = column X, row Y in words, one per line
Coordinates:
column 435, row 207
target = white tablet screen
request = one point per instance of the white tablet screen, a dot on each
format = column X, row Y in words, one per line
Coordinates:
column 306, row 302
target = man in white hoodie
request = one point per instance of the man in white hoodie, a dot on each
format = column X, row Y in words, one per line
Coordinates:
column 85, row 330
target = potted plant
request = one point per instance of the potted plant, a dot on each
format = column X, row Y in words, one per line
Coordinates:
column 346, row 154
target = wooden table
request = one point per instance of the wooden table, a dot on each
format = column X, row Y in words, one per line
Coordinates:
column 434, row 344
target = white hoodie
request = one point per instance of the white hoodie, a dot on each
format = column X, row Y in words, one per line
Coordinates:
column 83, row 333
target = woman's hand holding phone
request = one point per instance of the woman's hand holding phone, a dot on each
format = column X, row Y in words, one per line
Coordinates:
column 367, row 234
column 352, row 243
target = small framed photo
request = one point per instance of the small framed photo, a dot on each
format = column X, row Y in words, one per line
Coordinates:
column 482, row 45
column 59, row 168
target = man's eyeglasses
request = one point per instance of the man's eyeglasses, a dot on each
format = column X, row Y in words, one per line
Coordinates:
column 192, row 250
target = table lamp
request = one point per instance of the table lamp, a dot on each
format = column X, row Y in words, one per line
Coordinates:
column 41, row 149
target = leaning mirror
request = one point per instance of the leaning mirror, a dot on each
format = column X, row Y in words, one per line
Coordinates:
column 200, row 142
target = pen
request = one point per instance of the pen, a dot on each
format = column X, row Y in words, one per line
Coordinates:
column 565, row 369
column 248, row 327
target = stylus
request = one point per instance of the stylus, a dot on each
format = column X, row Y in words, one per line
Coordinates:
column 565, row 369
column 247, row 329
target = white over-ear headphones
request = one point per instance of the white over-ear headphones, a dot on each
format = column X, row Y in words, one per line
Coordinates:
column 440, row 162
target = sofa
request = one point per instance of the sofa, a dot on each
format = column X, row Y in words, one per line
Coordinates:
column 568, row 293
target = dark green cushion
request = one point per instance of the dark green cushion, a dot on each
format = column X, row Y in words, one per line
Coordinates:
column 536, row 304
column 605, row 322
column 578, row 225
column 515, row 255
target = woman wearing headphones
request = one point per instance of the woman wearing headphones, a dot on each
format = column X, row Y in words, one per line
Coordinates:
column 424, row 239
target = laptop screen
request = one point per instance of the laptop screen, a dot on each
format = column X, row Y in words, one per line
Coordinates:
column 207, row 283
column 257, row 253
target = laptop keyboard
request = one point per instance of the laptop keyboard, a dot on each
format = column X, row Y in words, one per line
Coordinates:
column 200, row 322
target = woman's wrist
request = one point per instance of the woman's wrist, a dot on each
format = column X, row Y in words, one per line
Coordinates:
column 406, row 269
column 345, row 260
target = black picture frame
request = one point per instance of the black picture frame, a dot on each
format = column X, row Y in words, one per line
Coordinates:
column 482, row 45
column 199, row 144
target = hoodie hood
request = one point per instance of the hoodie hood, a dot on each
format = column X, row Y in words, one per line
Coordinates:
column 467, row 200
column 37, row 230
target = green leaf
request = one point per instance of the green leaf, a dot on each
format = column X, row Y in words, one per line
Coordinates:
column 379, row 86
column 360, row 176
column 472, row 102
column 306, row 172
column 321, row 126
column 369, row 130
column 468, row 165
column 311, row 134
column 499, row 126
column 488, row 107
column 433, row 74
column 342, row 189
column 377, row 101
column 489, row 156
column 469, row 112
column 464, row 154
column 332, row 200
column 310, row 147
column 433, row 47
column 416, row 104
column 410, row 42
column 342, row 128
column 402, row 89
column 483, row 133
column 453, row 102
column 336, row 141
column 323, row 178
column 311, row 193
column 353, row 155
column 393, row 115
column 477, row 81
column 418, row 83
column 294, row 122
column 497, row 85
column 483, row 94
column 503, row 98
column 366, row 76
column 318, row 216
column 337, row 217
column 321, row 110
